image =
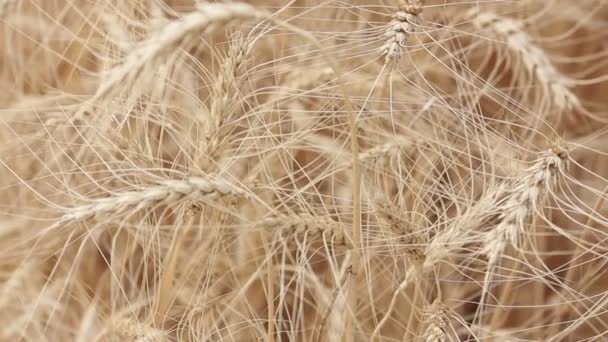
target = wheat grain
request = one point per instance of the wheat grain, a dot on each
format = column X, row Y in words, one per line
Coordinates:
column 515, row 205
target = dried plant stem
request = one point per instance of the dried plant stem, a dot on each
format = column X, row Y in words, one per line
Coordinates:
column 412, row 323
column 166, row 289
column 562, row 311
column 271, row 276
column 344, row 274
column 402, row 286
column 356, row 258
column 503, row 299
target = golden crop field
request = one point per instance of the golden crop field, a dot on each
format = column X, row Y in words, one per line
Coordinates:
column 304, row 170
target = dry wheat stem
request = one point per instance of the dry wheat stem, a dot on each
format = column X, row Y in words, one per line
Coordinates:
column 562, row 311
column 166, row 289
column 404, row 23
column 409, row 278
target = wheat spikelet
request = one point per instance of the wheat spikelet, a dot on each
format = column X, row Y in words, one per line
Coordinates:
column 404, row 23
column 165, row 191
column 388, row 149
column 536, row 61
column 411, row 242
column 437, row 323
column 309, row 228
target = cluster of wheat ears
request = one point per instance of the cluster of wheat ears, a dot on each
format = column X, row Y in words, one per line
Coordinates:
column 304, row 170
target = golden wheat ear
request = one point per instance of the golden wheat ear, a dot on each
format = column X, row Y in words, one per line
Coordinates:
column 555, row 85
column 405, row 22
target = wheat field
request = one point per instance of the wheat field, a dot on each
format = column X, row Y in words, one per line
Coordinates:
column 304, row 170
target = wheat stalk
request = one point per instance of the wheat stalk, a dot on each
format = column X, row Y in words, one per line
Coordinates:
column 405, row 22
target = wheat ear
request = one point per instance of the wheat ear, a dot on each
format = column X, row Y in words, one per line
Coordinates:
column 523, row 200
column 404, row 23
column 165, row 191
column 174, row 35
column 516, row 206
column 536, row 61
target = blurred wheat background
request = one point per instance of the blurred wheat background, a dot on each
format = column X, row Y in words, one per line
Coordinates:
column 303, row 170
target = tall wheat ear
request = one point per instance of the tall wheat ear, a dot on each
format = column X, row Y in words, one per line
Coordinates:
column 555, row 85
